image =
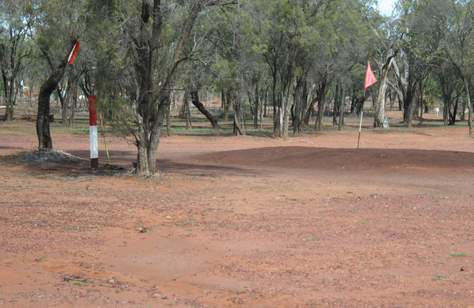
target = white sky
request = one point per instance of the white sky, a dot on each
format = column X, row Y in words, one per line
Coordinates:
column 386, row 6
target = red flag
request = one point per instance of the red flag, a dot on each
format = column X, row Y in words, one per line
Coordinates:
column 73, row 55
column 370, row 79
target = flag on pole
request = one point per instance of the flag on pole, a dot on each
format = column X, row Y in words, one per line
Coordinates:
column 73, row 55
column 370, row 79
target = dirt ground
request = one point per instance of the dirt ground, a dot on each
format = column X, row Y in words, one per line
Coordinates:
column 243, row 222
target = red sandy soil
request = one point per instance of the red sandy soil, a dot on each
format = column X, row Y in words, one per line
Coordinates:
column 243, row 222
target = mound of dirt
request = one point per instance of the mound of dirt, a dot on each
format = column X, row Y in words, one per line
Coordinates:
column 348, row 159
column 52, row 156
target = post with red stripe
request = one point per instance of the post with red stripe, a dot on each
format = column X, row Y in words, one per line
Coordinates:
column 93, row 140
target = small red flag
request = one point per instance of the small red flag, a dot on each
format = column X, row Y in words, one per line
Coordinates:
column 73, row 55
column 370, row 79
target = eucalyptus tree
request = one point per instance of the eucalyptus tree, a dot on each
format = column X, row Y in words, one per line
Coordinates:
column 353, row 44
column 159, row 39
column 283, row 34
column 229, row 33
column 421, row 26
column 16, row 24
column 342, row 43
column 459, row 45
column 59, row 25
column 450, row 86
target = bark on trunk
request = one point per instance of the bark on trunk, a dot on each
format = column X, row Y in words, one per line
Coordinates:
column 380, row 105
column 286, row 115
column 197, row 103
column 300, row 106
column 408, row 107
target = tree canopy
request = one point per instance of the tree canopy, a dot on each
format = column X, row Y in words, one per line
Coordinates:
column 292, row 58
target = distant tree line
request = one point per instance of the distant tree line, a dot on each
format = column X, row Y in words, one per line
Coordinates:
column 287, row 60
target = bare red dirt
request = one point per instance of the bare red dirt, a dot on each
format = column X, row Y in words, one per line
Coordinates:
column 250, row 222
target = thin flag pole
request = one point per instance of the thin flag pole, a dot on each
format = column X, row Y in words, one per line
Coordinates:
column 360, row 128
column 370, row 80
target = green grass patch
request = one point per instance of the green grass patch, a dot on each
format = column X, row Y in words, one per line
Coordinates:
column 440, row 278
column 458, row 255
column 310, row 238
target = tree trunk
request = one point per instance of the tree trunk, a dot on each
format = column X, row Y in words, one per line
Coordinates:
column 265, row 104
column 168, row 120
column 11, row 99
column 64, row 104
column 256, row 106
column 342, row 107
column 408, row 106
column 227, row 105
column 186, row 111
column 320, row 115
column 463, row 111
column 239, row 128
column 10, row 92
column 321, row 108
column 380, row 105
column 149, row 139
column 454, row 113
column 43, row 132
column 468, row 95
column 335, row 109
column 300, row 106
column 286, row 115
column 197, row 103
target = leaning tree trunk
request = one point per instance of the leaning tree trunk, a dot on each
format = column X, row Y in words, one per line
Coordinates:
column 197, row 103
column 43, row 132
column 239, row 125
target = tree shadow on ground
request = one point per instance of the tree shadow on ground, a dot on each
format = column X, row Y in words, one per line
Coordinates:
column 121, row 165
